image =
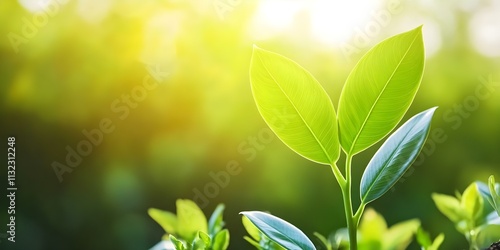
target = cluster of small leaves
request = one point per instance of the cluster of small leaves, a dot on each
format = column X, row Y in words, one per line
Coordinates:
column 474, row 218
column 374, row 234
column 189, row 229
column 374, row 99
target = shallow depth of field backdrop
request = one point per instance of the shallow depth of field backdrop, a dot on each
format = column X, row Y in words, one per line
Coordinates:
column 166, row 84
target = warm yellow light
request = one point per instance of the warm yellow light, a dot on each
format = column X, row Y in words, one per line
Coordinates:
column 331, row 22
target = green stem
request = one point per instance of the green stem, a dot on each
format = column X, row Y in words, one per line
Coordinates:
column 338, row 175
column 345, row 186
column 358, row 214
column 352, row 223
column 472, row 237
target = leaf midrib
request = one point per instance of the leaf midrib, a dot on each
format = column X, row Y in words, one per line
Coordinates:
column 378, row 97
column 387, row 162
column 296, row 110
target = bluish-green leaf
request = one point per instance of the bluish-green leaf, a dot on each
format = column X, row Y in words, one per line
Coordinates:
column 395, row 156
column 493, row 218
column 379, row 90
column 280, row 231
column 295, row 106
column 485, row 192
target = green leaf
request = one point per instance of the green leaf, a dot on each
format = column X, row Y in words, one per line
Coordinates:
column 167, row 220
column 295, row 106
column 253, row 242
column 190, row 220
column 216, row 223
column 201, row 241
column 472, row 202
column 373, row 226
column 487, row 235
column 399, row 236
column 205, row 238
column 341, row 237
column 395, row 156
column 252, row 230
column 177, row 243
column 280, row 231
column 379, row 90
column 221, row 240
column 326, row 244
column 449, row 206
column 437, row 242
column 423, row 238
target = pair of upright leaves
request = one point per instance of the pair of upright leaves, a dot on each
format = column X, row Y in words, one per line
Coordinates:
column 374, row 99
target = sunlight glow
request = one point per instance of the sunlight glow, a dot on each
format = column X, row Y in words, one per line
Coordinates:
column 274, row 16
column 34, row 6
column 336, row 21
column 483, row 30
column 160, row 33
column 94, row 11
column 330, row 22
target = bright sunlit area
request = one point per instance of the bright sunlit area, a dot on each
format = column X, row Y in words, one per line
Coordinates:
column 133, row 120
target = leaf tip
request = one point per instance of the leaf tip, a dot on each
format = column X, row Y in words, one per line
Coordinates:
column 431, row 111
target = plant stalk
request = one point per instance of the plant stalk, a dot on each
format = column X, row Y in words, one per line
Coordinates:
column 351, row 218
column 472, row 238
column 352, row 222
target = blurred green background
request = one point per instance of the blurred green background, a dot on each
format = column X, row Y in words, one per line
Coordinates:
column 67, row 66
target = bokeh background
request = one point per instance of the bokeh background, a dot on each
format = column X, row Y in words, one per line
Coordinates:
column 67, row 65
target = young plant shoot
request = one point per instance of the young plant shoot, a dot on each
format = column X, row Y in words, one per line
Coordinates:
column 376, row 96
column 189, row 229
